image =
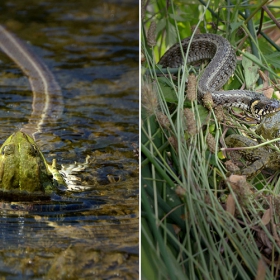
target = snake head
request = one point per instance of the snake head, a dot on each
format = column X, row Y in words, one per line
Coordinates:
column 260, row 108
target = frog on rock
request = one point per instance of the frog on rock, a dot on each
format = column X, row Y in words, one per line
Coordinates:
column 24, row 168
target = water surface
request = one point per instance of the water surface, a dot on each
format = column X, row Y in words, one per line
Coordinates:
column 92, row 49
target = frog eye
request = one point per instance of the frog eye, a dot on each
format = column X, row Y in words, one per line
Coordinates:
column 35, row 150
column 8, row 150
column 32, row 150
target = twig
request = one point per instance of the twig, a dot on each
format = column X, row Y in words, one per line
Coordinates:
column 271, row 16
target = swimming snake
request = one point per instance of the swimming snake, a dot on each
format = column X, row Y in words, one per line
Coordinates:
column 47, row 103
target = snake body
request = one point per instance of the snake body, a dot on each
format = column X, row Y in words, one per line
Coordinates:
column 218, row 71
column 47, row 103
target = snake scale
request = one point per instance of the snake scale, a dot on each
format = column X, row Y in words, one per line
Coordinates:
column 218, row 71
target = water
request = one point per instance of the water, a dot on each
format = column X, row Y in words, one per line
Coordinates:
column 92, row 49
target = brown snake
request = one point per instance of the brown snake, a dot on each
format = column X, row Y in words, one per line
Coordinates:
column 221, row 67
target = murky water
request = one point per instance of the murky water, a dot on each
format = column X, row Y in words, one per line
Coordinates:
column 92, row 49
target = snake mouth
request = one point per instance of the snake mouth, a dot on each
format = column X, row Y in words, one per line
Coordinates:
column 260, row 108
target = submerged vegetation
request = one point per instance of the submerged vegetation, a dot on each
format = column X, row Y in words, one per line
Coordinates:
column 201, row 218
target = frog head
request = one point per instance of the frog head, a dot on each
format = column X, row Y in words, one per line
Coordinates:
column 269, row 127
column 23, row 166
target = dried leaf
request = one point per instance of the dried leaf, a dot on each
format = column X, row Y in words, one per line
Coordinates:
column 264, row 239
column 240, row 185
column 230, row 204
column 237, row 179
column 266, row 216
column 176, row 228
column 273, row 33
column 180, row 191
column 261, row 270
column 268, row 92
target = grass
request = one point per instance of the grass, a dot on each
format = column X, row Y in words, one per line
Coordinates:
column 197, row 221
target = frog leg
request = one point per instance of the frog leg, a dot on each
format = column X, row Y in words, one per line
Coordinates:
column 258, row 157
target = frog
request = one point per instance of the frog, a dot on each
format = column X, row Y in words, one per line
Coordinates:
column 26, row 175
column 24, row 168
column 261, row 157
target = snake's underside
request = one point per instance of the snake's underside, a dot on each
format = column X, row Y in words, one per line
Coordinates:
column 222, row 65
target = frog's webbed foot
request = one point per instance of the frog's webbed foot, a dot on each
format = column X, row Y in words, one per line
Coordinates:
column 259, row 157
column 70, row 172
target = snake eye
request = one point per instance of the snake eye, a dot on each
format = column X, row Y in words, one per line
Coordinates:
column 273, row 106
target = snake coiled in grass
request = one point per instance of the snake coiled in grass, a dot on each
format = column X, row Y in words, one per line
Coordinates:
column 222, row 65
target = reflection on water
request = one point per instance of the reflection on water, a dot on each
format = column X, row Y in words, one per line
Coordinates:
column 99, row 235
column 92, row 49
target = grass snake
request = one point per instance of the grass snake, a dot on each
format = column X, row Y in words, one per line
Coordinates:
column 218, row 71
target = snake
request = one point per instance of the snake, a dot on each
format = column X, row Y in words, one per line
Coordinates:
column 222, row 65
column 47, row 105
